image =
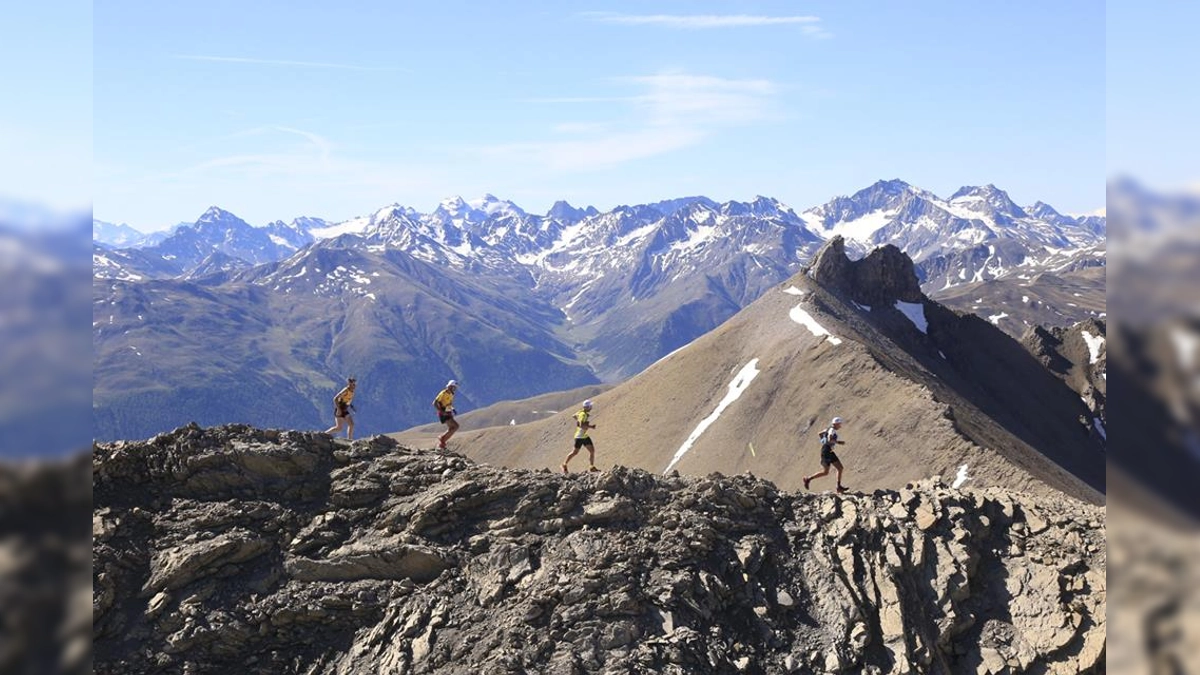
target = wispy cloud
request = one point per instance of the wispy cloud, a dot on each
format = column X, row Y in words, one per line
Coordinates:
column 670, row 112
column 283, row 62
column 578, row 99
column 306, row 169
column 816, row 31
column 704, row 21
column 600, row 152
column 314, row 154
column 700, row 100
column 582, row 127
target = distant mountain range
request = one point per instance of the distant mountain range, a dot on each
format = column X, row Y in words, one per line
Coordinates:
column 48, row 375
column 513, row 303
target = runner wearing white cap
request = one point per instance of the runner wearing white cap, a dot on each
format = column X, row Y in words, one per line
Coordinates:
column 444, row 402
column 829, row 438
column 582, row 438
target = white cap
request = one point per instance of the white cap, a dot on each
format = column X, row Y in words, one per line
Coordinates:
column 837, row 420
column 452, row 383
column 587, row 405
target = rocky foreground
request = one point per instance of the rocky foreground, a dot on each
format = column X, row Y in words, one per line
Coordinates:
column 235, row 549
column 45, row 616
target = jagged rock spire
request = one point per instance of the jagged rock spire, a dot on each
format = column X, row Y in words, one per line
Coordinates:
column 883, row 277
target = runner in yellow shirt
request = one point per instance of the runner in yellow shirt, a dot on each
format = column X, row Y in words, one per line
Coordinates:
column 343, row 408
column 582, row 438
column 444, row 402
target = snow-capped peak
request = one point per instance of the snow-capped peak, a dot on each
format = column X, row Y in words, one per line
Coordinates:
column 390, row 211
column 453, row 204
column 1043, row 210
column 894, row 186
column 307, row 223
column 215, row 214
column 769, row 206
column 984, row 198
column 984, row 191
column 492, row 205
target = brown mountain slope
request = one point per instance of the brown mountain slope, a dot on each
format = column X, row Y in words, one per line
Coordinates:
column 916, row 404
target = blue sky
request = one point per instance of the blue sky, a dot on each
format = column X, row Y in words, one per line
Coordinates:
column 276, row 110
column 1152, row 99
column 46, row 104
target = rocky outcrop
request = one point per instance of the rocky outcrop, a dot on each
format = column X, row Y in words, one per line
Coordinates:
column 1077, row 355
column 881, row 278
column 239, row 550
column 45, row 612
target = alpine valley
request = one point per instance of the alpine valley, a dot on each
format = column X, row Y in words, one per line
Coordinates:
column 218, row 321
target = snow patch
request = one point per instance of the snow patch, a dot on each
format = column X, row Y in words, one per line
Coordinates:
column 995, row 318
column 1025, row 299
column 792, row 290
column 1094, row 343
column 354, row 226
column 805, row 319
column 861, row 229
column 1185, row 347
column 636, row 235
column 961, row 477
column 700, row 237
column 736, row 387
column 915, row 311
column 1099, row 428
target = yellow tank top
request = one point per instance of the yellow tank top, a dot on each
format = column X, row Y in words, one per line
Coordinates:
column 581, row 420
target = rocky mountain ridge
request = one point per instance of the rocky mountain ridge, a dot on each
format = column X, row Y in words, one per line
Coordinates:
column 263, row 551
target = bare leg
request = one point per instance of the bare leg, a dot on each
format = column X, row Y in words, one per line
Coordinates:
column 824, row 472
column 451, row 427
column 568, row 459
column 838, row 466
column 336, row 427
column 349, row 427
column 592, row 455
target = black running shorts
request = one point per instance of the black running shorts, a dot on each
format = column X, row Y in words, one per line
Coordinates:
column 828, row 456
column 580, row 442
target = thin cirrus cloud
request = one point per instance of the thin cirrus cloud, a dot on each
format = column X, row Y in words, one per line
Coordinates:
column 290, row 160
column 810, row 24
column 282, row 62
column 673, row 111
column 605, row 151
